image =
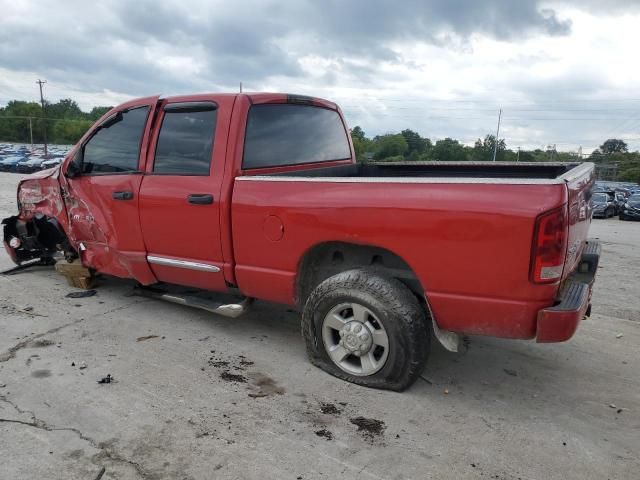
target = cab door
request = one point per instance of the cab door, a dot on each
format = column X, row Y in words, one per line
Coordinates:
column 101, row 186
column 180, row 194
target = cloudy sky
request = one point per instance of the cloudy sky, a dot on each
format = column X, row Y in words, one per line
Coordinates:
column 564, row 72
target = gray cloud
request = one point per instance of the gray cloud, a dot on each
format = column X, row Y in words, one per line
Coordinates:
column 174, row 46
column 104, row 44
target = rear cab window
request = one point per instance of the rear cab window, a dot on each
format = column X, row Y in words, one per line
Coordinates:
column 279, row 135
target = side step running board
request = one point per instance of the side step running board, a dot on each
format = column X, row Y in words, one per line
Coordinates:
column 232, row 310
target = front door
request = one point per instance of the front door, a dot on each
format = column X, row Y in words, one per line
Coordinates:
column 101, row 194
column 179, row 197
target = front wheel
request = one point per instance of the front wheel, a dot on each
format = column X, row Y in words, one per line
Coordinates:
column 367, row 328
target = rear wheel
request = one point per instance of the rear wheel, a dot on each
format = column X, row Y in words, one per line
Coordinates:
column 367, row 328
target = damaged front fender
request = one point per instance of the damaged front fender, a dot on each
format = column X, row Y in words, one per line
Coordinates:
column 39, row 237
column 38, row 231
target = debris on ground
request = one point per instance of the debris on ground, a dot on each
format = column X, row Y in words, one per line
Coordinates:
column 107, row 379
column 29, row 311
column 100, row 473
column 324, row 433
column 82, row 365
column 508, row 371
column 147, row 337
column 81, row 294
column 620, row 335
column 329, row 409
column 2, row 385
column 233, row 377
column 369, row 427
column 218, row 363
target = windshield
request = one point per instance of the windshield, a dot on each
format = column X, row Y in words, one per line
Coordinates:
column 600, row 198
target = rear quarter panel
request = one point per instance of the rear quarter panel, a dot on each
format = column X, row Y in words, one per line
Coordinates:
column 468, row 243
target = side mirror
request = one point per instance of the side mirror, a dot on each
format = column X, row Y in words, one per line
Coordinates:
column 74, row 167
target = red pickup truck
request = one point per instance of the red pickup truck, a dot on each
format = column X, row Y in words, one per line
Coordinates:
column 260, row 196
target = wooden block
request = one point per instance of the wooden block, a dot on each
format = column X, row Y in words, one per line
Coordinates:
column 76, row 268
column 77, row 275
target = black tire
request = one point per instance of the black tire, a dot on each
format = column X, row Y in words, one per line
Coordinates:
column 393, row 305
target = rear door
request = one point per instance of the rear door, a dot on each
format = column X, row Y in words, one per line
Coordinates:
column 179, row 199
column 102, row 196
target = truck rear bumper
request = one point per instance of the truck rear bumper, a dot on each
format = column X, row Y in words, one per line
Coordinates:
column 559, row 323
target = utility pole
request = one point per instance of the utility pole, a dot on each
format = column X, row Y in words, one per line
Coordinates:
column 31, row 132
column 240, row 87
column 518, row 157
column 495, row 147
column 44, row 114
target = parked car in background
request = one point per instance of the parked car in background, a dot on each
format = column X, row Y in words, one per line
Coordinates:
column 620, row 199
column 631, row 209
column 54, row 162
column 9, row 164
column 603, row 205
column 30, row 165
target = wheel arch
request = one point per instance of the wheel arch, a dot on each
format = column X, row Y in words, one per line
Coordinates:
column 326, row 259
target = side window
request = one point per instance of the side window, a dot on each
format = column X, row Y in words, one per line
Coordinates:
column 285, row 134
column 115, row 147
column 186, row 139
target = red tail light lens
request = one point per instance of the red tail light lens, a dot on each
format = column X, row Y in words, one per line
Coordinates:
column 549, row 246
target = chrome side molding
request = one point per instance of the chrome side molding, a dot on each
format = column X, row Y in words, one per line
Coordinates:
column 172, row 262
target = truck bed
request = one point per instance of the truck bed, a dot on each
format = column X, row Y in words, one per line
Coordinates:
column 539, row 172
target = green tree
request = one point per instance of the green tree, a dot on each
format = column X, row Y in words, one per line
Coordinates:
column 448, row 150
column 361, row 143
column 483, row 149
column 416, row 145
column 613, row 145
column 65, row 108
column 389, row 146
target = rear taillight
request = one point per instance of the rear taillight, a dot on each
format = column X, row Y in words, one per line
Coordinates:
column 549, row 246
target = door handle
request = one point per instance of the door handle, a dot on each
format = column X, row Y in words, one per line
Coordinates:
column 200, row 199
column 122, row 195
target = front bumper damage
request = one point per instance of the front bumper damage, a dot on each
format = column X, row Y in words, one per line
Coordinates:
column 559, row 322
column 37, row 238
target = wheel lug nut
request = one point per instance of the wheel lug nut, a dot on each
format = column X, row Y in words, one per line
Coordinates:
column 357, row 328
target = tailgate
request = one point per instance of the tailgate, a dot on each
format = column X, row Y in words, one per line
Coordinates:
column 579, row 181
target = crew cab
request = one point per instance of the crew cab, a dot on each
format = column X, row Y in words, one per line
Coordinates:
column 260, row 196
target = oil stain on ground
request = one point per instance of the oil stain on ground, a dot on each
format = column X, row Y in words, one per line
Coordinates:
column 266, row 386
column 41, row 373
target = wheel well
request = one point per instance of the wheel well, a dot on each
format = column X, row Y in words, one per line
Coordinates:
column 328, row 259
